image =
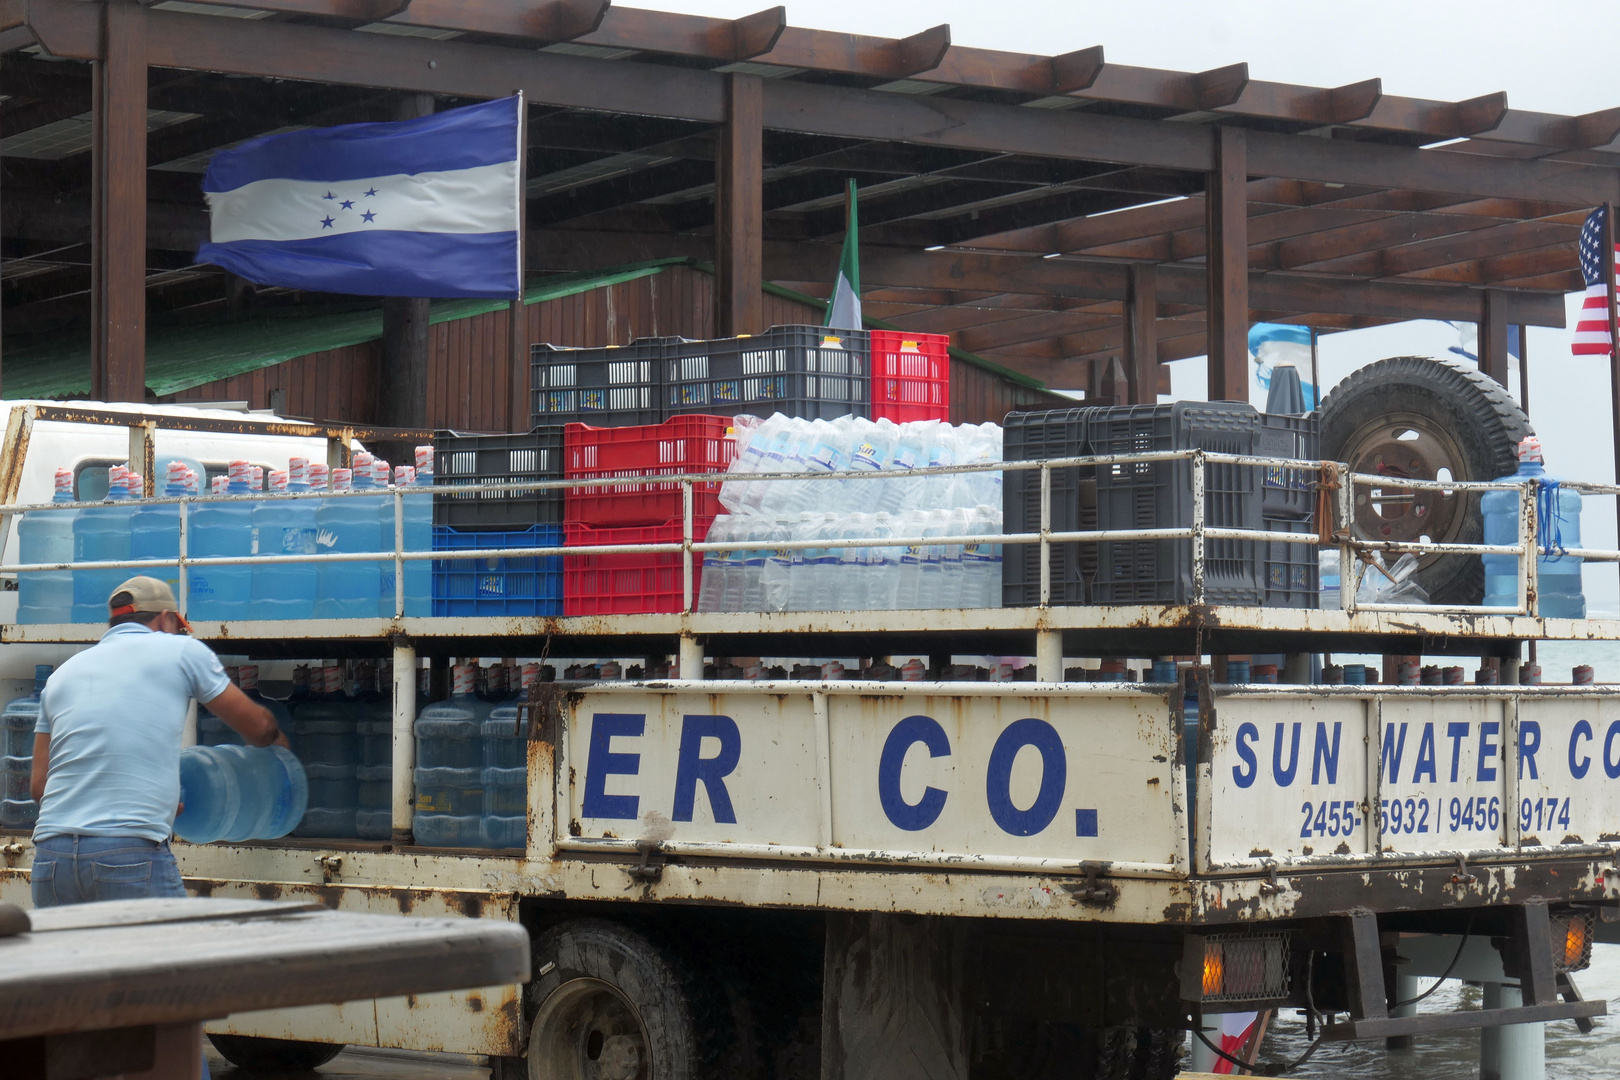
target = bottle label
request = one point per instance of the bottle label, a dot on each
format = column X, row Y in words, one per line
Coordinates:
column 866, row 457
column 295, row 541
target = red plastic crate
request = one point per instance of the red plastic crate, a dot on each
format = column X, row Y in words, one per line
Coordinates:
column 681, row 444
column 911, row 376
column 634, row 583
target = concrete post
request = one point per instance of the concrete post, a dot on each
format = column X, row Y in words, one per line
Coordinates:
column 1049, row 655
column 691, row 658
column 404, row 789
column 1406, row 988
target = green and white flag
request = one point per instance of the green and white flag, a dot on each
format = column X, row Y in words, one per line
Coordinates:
column 844, row 313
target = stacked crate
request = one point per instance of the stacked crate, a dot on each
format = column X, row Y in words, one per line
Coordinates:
column 487, row 520
column 1158, row 495
column 1289, row 573
column 638, row 513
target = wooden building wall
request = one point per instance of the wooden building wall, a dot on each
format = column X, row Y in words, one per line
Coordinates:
column 467, row 357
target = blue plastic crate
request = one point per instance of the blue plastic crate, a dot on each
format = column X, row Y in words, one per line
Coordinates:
column 523, row 585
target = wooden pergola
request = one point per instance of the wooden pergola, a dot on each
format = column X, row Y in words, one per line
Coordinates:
column 1052, row 213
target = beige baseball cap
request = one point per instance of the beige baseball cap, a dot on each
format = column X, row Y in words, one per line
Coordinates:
column 141, row 594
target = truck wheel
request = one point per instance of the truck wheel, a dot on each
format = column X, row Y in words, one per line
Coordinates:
column 1417, row 417
column 273, row 1055
column 608, row 1005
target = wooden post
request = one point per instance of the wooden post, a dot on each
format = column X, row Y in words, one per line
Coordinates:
column 519, row 407
column 1524, row 368
column 1493, row 336
column 403, row 397
column 1141, row 337
column 1227, row 223
column 118, row 207
column 739, row 210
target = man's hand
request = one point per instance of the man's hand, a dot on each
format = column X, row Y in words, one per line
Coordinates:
column 247, row 718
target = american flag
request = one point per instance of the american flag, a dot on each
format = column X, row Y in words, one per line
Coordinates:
column 1592, row 327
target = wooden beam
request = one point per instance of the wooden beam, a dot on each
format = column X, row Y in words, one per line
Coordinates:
column 1141, row 340
column 739, row 215
column 1493, row 336
column 1227, row 227
column 118, row 214
column 282, row 50
column 1220, row 86
column 757, row 34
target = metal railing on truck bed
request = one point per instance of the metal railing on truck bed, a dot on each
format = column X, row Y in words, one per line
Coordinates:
column 1339, row 487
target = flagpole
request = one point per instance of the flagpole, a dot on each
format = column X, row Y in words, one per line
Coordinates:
column 519, row 408
column 1607, row 254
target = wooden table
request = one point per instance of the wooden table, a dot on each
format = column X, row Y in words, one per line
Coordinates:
column 123, row 987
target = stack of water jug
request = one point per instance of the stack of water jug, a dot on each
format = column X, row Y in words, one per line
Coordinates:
column 17, row 807
column 768, row 577
column 125, row 528
column 472, row 765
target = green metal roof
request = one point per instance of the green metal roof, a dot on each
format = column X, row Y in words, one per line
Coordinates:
column 181, row 356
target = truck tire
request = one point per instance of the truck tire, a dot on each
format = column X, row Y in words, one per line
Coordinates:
column 1420, row 417
column 607, row 1004
column 273, row 1055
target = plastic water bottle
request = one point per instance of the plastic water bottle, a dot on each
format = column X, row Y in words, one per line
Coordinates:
column 239, row 793
column 221, row 530
column 1559, row 526
column 450, row 766
column 419, row 536
column 46, row 536
column 930, row 567
column 951, row 559
column 1327, row 565
column 375, row 727
column 154, row 531
column 346, row 590
column 912, row 556
column 804, row 565
column 327, row 737
column 747, row 591
column 17, row 807
column 882, row 565
column 506, row 770
column 284, row 526
column 717, row 565
column 101, row 533
column 981, row 563
column 211, row 730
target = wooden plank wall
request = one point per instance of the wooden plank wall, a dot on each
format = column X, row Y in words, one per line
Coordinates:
column 467, row 357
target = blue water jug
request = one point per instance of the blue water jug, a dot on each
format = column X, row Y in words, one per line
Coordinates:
column 325, row 735
column 384, row 509
column 283, row 526
column 46, row 536
column 450, row 765
column 17, row 807
column 506, row 770
column 101, row 533
column 1558, row 517
column 222, row 530
column 347, row 590
column 418, row 482
column 239, row 793
column 154, row 531
column 375, row 729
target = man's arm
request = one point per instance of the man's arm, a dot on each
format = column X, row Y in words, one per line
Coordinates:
column 247, row 718
column 42, row 766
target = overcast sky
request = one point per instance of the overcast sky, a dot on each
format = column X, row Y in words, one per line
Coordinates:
column 1558, row 56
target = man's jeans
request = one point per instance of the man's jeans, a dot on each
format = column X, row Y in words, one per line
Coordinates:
column 84, row 869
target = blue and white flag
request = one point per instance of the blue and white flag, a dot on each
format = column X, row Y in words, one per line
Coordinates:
column 426, row 207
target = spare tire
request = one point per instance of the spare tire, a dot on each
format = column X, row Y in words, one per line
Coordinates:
column 1418, row 417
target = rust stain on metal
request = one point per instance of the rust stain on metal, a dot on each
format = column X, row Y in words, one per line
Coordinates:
column 267, row 890
column 475, row 1003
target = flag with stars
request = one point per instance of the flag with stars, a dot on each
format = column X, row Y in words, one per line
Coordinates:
column 1592, row 325
column 426, row 207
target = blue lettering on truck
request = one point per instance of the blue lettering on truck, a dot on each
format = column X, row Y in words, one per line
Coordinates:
column 912, row 817
column 711, row 750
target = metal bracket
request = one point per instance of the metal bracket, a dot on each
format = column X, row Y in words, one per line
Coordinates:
column 1271, row 886
column 12, row 852
column 1462, row 876
column 331, row 867
column 1094, row 890
column 646, row 870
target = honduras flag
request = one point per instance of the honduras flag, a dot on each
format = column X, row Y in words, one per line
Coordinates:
column 426, row 207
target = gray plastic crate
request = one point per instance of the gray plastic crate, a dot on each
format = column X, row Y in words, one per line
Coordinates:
column 1288, row 492
column 1158, row 495
column 1032, row 436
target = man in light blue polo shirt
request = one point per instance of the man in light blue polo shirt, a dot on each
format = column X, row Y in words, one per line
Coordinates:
column 107, row 751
